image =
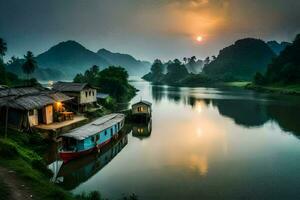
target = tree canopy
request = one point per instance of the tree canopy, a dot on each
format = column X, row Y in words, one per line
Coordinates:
column 112, row 80
column 30, row 64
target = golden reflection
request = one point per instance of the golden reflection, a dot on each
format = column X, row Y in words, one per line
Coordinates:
column 199, row 164
column 195, row 139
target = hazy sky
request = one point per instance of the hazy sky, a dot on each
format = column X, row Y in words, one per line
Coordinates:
column 147, row 29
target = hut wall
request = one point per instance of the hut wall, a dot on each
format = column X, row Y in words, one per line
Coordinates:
column 141, row 109
column 33, row 117
column 88, row 96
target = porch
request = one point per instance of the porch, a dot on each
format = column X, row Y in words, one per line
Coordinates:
column 63, row 126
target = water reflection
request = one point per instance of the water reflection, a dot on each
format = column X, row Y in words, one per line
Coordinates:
column 251, row 111
column 142, row 130
column 72, row 174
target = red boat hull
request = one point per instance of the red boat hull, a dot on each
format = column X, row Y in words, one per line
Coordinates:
column 67, row 156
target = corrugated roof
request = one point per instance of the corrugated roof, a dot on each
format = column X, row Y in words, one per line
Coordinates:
column 26, row 102
column 143, row 102
column 30, row 98
column 19, row 91
column 69, row 86
column 94, row 127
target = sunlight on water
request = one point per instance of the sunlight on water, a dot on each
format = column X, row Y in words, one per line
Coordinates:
column 204, row 143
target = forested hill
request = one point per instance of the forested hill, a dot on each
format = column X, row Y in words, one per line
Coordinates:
column 66, row 59
column 132, row 65
column 70, row 58
column 286, row 67
column 241, row 60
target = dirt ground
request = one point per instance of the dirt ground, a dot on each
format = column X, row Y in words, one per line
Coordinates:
column 18, row 189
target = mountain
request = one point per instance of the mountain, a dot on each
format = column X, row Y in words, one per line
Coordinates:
column 241, row 60
column 276, row 47
column 70, row 58
column 286, row 67
column 15, row 66
column 133, row 66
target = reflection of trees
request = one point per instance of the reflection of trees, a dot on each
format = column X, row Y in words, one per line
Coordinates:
column 158, row 92
column 174, row 94
column 287, row 116
column 247, row 113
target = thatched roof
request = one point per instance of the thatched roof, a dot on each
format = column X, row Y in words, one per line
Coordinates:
column 30, row 98
column 69, row 86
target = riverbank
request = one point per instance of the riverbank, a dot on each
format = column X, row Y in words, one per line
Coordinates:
column 279, row 89
column 23, row 173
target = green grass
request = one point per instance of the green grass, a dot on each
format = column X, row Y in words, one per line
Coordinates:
column 240, row 84
column 34, row 175
column 21, row 152
column 277, row 88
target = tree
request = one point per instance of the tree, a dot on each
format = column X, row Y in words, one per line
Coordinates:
column 157, row 67
column 30, row 64
column 185, row 60
column 176, row 72
column 259, row 79
column 207, row 60
column 3, row 48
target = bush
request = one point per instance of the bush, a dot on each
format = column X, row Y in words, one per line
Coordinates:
column 8, row 150
column 41, row 166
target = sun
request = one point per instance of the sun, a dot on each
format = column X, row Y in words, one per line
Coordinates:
column 199, row 38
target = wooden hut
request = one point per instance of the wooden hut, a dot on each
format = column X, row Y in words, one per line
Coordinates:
column 141, row 110
column 29, row 106
column 83, row 94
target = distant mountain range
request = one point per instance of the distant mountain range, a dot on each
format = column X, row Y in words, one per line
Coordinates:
column 241, row 60
column 68, row 58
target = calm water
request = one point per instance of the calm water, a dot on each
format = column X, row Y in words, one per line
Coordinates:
column 204, row 143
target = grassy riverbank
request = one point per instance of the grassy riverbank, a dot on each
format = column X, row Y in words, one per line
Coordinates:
column 281, row 89
column 19, row 153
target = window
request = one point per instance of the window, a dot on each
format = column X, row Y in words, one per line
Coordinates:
column 105, row 132
column 93, row 93
column 140, row 109
column 31, row 112
column 90, row 93
column 86, row 94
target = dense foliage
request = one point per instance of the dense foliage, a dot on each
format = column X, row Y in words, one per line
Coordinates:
column 285, row 69
column 112, row 80
column 241, row 60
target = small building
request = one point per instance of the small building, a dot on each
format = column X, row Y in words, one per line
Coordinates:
column 83, row 94
column 29, row 106
column 141, row 110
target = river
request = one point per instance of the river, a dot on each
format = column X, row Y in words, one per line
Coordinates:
column 202, row 143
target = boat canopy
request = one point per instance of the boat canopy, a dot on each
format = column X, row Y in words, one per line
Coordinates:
column 94, row 127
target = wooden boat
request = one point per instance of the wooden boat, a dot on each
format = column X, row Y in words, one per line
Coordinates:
column 90, row 137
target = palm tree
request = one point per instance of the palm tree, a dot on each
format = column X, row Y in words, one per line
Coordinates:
column 30, row 64
column 3, row 48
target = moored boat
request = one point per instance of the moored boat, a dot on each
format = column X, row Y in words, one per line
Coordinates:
column 90, row 137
